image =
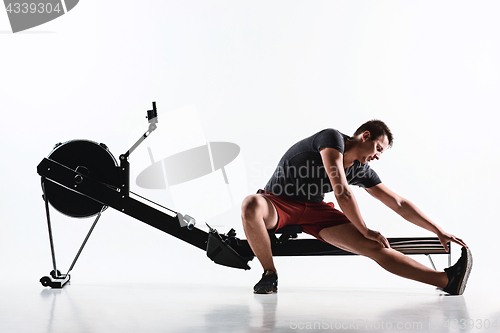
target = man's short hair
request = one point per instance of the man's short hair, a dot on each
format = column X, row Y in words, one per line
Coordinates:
column 377, row 129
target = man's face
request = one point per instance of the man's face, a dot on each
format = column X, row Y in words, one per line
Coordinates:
column 371, row 149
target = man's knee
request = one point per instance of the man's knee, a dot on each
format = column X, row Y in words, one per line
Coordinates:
column 251, row 207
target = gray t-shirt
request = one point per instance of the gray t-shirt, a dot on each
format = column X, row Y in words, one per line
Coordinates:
column 301, row 175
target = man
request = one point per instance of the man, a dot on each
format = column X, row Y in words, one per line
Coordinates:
column 331, row 161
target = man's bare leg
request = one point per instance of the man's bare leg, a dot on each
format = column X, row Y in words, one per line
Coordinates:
column 347, row 237
column 258, row 215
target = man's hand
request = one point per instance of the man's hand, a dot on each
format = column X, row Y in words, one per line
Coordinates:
column 376, row 236
column 445, row 237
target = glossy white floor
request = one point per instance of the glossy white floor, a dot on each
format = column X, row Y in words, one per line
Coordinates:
column 212, row 308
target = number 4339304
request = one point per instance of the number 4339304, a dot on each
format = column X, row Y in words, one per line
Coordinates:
column 32, row 8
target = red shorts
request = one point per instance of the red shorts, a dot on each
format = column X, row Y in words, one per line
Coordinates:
column 311, row 216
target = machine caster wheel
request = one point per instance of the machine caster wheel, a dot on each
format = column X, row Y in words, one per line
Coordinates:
column 45, row 281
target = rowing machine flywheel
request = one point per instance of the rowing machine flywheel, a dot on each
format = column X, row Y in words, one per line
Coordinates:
column 89, row 159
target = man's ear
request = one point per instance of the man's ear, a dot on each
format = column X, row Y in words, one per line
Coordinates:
column 366, row 136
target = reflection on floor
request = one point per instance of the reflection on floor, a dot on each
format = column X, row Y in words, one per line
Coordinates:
column 184, row 308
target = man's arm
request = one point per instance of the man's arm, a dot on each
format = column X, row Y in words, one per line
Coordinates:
column 412, row 213
column 333, row 161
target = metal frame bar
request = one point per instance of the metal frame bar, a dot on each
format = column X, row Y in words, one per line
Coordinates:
column 49, row 225
column 432, row 262
column 85, row 240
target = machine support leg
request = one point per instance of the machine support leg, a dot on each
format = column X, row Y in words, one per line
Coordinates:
column 432, row 262
column 86, row 239
column 449, row 254
column 52, row 251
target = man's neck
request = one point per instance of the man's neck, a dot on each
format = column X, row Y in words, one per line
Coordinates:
column 349, row 156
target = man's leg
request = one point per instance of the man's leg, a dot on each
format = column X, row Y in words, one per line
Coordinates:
column 347, row 237
column 258, row 215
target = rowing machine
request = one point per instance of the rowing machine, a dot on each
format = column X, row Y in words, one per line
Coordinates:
column 81, row 178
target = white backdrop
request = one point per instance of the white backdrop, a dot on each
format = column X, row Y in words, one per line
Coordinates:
column 261, row 74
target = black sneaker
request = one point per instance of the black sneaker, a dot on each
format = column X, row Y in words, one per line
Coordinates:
column 459, row 273
column 268, row 284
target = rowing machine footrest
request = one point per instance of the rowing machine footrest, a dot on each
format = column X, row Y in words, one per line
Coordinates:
column 221, row 252
column 287, row 232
